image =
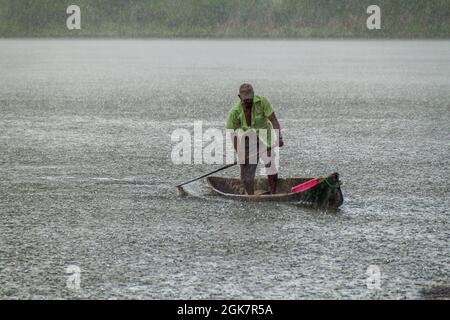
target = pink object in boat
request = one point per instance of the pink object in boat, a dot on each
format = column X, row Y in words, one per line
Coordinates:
column 305, row 185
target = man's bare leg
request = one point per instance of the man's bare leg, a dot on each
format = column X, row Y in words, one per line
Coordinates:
column 272, row 180
column 249, row 186
column 248, row 172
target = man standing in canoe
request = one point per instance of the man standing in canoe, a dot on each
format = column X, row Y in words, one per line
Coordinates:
column 254, row 124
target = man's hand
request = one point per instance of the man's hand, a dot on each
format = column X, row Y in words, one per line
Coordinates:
column 280, row 142
column 276, row 126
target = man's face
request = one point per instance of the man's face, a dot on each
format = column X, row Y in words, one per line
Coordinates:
column 248, row 103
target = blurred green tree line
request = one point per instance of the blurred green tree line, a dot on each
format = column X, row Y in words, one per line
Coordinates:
column 225, row 18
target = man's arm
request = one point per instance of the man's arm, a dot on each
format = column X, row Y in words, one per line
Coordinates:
column 276, row 125
column 233, row 124
column 235, row 141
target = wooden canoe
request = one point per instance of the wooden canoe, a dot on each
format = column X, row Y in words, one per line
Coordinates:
column 326, row 194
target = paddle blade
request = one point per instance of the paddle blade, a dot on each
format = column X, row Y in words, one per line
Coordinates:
column 305, row 185
column 181, row 191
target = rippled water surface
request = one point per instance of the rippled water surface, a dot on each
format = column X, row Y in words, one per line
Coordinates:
column 87, row 180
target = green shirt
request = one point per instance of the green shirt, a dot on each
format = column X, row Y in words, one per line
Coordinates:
column 261, row 111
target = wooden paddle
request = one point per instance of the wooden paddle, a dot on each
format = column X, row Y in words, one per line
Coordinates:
column 180, row 186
